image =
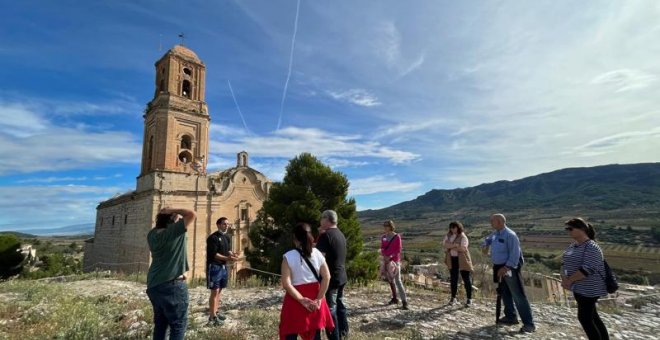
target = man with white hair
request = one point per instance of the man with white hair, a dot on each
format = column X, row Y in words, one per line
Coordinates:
column 332, row 244
column 507, row 260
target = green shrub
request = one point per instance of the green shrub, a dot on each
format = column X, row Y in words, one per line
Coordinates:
column 637, row 279
column 363, row 268
column 55, row 264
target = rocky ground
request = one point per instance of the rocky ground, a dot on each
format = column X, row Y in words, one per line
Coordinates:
column 253, row 313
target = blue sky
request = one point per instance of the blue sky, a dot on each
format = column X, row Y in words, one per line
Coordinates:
column 401, row 96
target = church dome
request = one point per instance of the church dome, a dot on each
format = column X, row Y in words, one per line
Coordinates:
column 185, row 52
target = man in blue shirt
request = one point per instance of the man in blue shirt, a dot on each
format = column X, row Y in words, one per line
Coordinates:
column 507, row 260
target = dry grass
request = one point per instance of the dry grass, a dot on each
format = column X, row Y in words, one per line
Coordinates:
column 45, row 310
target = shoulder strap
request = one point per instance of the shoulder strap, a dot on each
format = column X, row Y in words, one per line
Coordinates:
column 584, row 251
column 309, row 264
column 390, row 242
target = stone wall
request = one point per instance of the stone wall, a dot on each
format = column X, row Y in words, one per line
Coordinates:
column 120, row 235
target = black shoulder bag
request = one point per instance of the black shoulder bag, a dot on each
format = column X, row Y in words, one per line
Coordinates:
column 611, row 283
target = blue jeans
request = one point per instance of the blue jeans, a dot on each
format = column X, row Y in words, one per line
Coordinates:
column 335, row 299
column 170, row 303
column 513, row 292
column 317, row 336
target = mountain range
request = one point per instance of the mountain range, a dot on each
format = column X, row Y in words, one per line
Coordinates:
column 606, row 187
column 70, row 230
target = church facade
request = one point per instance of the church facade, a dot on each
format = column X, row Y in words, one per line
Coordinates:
column 174, row 153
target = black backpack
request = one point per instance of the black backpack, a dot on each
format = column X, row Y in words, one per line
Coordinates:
column 611, row 283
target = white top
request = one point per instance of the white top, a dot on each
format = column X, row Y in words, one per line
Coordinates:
column 300, row 272
column 464, row 243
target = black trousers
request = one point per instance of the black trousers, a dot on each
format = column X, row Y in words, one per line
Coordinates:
column 467, row 280
column 589, row 319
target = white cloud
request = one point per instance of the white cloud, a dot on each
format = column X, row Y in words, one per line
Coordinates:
column 222, row 131
column 583, row 93
column 414, row 65
column 64, row 149
column 344, row 163
column 119, row 104
column 55, row 179
column 358, row 97
column 410, row 127
column 380, row 183
column 625, row 79
column 50, row 205
column 274, row 169
column 18, row 120
column 390, row 44
column 33, row 143
column 291, row 141
column 620, row 139
column 389, row 40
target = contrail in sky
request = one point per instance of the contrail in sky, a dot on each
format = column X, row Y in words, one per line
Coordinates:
column 288, row 75
column 237, row 107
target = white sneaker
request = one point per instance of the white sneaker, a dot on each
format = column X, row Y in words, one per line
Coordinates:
column 468, row 303
column 452, row 301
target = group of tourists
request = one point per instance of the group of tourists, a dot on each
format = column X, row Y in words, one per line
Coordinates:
column 313, row 274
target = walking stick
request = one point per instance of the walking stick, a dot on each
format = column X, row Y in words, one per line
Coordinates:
column 498, row 303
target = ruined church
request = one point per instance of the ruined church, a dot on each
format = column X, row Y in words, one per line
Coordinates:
column 174, row 153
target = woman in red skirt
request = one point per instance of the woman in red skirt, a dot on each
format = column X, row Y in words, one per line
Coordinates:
column 304, row 311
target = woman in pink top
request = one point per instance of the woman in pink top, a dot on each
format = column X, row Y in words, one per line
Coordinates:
column 390, row 249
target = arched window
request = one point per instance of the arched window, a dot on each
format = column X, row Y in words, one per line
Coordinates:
column 187, row 71
column 161, row 87
column 186, row 89
column 186, row 142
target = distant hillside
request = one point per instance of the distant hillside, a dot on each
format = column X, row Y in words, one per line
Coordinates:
column 17, row 234
column 605, row 187
column 76, row 229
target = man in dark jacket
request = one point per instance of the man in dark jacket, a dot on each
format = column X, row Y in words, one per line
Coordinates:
column 332, row 244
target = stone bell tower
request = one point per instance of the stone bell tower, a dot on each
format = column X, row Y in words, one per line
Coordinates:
column 173, row 174
column 176, row 121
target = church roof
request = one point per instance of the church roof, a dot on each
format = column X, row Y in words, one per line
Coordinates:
column 184, row 52
column 232, row 171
